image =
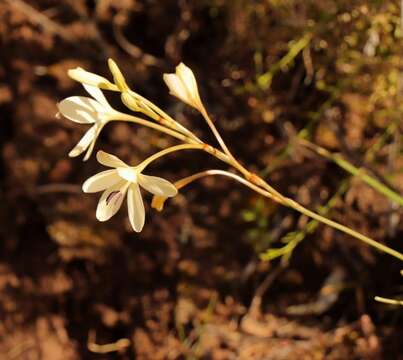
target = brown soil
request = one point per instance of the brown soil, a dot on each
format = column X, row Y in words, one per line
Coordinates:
column 191, row 285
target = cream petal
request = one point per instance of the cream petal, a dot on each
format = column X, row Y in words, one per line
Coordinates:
column 109, row 160
column 128, row 173
column 89, row 78
column 89, row 150
column 176, row 87
column 99, row 127
column 80, row 109
column 188, row 78
column 135, row 207
column 101, row 181
column 157, row 186
column 84, row 142
column 111, row 201
column 98, row 95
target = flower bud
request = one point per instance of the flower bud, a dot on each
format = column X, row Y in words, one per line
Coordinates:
column 130, row 101
column 183, row 85
column 117, row 76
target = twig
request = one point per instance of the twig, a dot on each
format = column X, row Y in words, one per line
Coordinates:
column 119, row 345
column 254, row 308
column 40, row 19
column 136, row 52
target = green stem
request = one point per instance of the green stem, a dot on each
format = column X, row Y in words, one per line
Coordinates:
column 360, row 173
column 264, row 80
column 292, row 239
column 273, row 194
column 161, row 113
column 291, row 203
column 294, row 205
column 169, row 150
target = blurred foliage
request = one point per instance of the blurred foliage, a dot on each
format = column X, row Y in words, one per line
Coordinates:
column 348, row 55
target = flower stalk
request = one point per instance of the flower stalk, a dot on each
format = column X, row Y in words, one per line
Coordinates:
column 125, row 179
column 355, row 171
column 150, row 124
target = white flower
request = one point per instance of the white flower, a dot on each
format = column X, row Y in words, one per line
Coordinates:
column 86, row 110
column 120, row 180
column 183, row 85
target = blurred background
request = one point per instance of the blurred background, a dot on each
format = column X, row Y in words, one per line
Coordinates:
column 205, row 279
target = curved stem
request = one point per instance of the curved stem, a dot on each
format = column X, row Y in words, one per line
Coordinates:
column 251, row 180
column 161, row 113
column 164, row 152
column 140, row 121
column 388, row 301
column 215, row 131
column 217, row 135
column 118, row 116
column 233, row 161
column 271, row 193
column 189, row 179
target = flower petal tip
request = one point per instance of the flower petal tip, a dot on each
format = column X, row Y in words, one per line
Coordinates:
column 183, row 85
column 138, row 230
column 74, row 153
column 100, row 218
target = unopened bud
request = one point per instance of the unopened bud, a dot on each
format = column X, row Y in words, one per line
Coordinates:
column 117, row 76
column 130, row 101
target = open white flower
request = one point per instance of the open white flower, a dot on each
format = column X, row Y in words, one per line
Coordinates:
column 86, row 110
column 120, row 180
column 183, row 85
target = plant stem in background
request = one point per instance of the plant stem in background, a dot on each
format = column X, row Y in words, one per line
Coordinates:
column 353, row 170
column 388, row 301
column 293, row 238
